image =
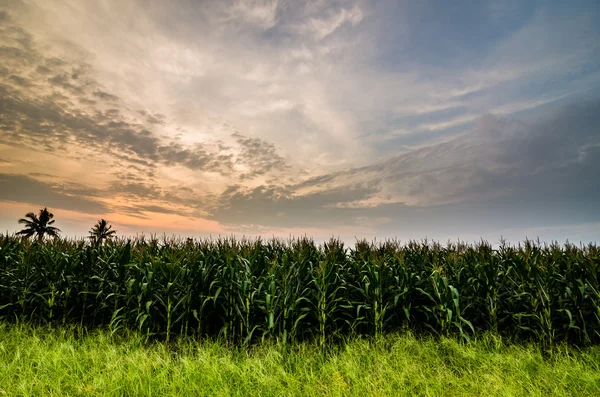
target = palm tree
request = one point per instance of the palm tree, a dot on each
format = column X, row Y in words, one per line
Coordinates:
column 39, row 225
column 101, row 231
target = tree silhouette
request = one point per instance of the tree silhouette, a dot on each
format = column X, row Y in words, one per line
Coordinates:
column 101, row 231
column 39, row 225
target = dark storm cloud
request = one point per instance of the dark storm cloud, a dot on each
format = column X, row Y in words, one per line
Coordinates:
column 23, row 189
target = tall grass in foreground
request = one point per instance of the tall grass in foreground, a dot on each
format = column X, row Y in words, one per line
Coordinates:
column 247, row 291
column 37, row 361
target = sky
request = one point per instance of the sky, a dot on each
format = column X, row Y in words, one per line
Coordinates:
column 398, row 119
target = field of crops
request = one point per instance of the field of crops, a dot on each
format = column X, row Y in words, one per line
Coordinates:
column 247, row 291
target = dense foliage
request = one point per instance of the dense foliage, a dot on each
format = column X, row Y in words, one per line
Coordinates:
column 246, row 291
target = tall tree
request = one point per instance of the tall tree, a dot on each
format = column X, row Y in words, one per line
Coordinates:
column 101, row 231
column 39, row 225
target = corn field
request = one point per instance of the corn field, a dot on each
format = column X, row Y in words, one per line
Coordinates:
column 247, row 291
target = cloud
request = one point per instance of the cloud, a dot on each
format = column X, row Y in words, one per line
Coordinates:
column 259, row 156
column 325, row 94
column 160, row 209
column 48, row 119
column 547, row 159
column 197, row 158
column 142, row 211
column 105, row 96
column 277, row 206
column 370, row 115
column 320, row 28
column 258, row 12
column 145, row 195
column 156, row 118
column 138, row 189
column 23, row 189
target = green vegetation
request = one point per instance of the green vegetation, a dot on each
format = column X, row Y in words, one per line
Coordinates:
column 101, row 232
column 251, row 291
column 63, row 362
column 111, row 316
column 39, row 225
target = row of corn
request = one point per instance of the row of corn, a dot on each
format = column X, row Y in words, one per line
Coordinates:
column 251, row 290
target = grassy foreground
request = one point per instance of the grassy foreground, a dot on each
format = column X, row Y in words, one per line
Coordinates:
column 40, row 361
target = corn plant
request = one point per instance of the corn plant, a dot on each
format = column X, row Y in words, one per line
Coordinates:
column 246, row 291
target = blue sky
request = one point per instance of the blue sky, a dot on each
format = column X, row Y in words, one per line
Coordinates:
column 447, row 120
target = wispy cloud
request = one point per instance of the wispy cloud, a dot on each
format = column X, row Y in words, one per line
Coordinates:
column 260, row 12
column 321, row 27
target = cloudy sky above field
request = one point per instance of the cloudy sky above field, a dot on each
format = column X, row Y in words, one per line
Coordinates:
column 349, row 118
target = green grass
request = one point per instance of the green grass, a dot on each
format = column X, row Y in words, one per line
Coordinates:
column 38, row 361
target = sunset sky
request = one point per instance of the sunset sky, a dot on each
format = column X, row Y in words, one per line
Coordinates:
column 358, row 119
